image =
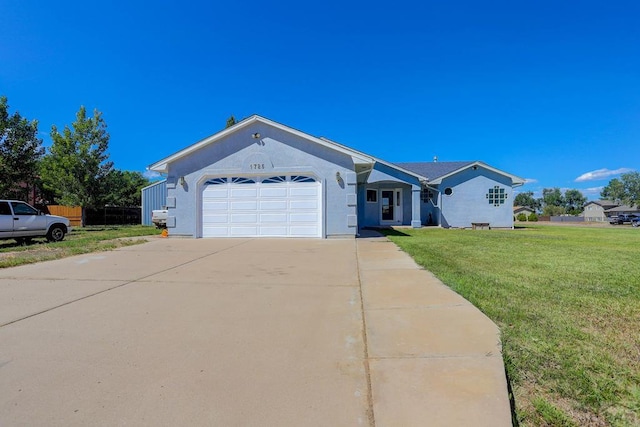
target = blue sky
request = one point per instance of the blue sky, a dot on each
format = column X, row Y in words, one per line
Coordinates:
column 546, row 90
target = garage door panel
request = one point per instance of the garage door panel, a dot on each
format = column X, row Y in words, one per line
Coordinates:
column 308, row 217
column 254, row 209
column 273, row 205
column 269, row 231
column 244, row 192
column 217, row 205
column 248, row 231
column 244, row 205
column 272, row 191
column 273, row 218
column 216, row 219
column 304, row 204
column 215, row 231
column 217, row 192
column 303, row 190
column 248, row 218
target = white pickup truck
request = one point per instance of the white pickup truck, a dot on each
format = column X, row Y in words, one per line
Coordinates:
column 21, row 221
column 159, row 217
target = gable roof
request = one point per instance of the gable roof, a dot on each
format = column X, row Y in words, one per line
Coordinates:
column 435, row 172
column 606, row 204
column 162, row 165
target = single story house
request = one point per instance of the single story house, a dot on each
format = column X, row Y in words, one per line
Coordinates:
column 261, row 178
column 517, row 210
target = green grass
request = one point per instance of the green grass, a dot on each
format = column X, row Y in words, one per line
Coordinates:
column 79, row 241
column 567, row 301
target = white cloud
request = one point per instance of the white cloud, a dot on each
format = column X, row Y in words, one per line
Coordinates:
column 600, row 174
column 530, row 180
column 151, row 174
column 592, row 191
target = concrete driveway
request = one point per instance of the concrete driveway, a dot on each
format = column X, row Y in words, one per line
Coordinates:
column 244, row 332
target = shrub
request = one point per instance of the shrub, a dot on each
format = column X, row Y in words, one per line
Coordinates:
column 521, row 216
column 533, row 217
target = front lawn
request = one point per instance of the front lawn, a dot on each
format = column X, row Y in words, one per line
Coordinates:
column 79, row 241
column 567, row 300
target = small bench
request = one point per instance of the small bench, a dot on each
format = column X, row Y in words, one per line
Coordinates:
column 480, row 225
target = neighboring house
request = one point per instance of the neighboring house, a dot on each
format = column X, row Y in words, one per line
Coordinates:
column 261, row 178
column 595, row 210
column 622, row 209
column 517, row 210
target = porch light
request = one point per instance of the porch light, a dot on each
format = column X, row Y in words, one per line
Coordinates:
column 338, row 177
column 182, row 181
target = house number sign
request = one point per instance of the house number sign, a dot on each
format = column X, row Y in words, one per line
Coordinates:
column 257, row 162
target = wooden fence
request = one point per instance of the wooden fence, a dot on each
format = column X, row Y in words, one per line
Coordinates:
column 73, row 213
column 109, row 215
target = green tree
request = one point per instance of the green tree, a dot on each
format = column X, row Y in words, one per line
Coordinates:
column 574, row 201
column 527, row 199
column 124, row 188
column 614, row 191
column 77, row 164
column 631, row 183
column 231, row 121
column 20, row 152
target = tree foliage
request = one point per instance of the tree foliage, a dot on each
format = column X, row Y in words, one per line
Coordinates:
column 574, row 201
column 527, row 199
column 231, row 121
column 613, row 191
column 631, row 185
column 624, row 190
column 77, row 164
column 20, row 152
column 556, row 203
column 124, row 188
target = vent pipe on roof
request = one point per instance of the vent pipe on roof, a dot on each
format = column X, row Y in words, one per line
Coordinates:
column 435, row 159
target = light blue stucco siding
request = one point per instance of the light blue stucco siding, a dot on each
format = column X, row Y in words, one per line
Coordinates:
column 275, row 152
column 469, row 200
column 385, row 178
column 154, row 197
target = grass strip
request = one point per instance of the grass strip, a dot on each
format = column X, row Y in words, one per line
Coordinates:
column 567, row 301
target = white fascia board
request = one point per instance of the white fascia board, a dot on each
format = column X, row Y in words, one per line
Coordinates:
column 516, row 181
column 161, row 166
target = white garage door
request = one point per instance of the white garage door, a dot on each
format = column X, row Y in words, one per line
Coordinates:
column 270, row 206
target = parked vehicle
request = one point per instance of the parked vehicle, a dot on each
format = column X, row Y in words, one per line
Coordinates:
column 620, row 219
column 635, row 221
column 159, row 217
column 23, row 222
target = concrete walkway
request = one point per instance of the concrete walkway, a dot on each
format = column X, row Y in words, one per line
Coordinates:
column 434, row 359
column 244, row 332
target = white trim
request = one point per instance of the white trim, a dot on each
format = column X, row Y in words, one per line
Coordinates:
column 515, row 180
column 397, row 206
column 161, row 165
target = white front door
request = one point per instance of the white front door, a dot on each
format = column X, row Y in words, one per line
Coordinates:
column 270, row 206
column 391, row 206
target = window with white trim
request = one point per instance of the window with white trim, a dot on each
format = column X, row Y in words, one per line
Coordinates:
column 372, row 196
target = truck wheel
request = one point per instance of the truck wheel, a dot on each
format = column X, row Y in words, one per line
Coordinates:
column 55, row 234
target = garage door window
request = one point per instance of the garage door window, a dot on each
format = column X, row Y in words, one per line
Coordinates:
column 216, row 181
column 241, row 180
column 274, row 179
column 302, row 178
